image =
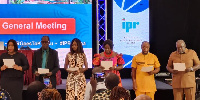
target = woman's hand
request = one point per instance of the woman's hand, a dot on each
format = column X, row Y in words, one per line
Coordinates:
column 16, row 67
column 76, row 72
column 82, row 70
column 4, row 67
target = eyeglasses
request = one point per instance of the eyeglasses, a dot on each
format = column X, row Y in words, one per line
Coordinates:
column 44, row 42
column 107, row 49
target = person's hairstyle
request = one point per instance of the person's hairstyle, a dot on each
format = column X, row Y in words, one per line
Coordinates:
column 96, row 69
column 47, row 37
column 109, row 42
column 33, row 89
column 50, row 94
column 79, row 44
column 118, row 93
column 145, row 42
column 181, row 41
column 14, row 43
column 111, row 81
column 142, row 97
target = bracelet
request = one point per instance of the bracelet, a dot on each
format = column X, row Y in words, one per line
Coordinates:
column 191, row 69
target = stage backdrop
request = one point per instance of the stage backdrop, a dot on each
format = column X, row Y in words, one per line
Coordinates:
column 27, row 23
column 130, row 27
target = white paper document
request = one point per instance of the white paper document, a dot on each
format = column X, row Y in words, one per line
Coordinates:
column 73, row 69
column 1, row 45
column 9, row 62
column 147, row 69
column 107, row 64
column 179, row 66
column 43, row 70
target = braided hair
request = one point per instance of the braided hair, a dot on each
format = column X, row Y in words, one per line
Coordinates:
column 50, row 94
column 119, row 93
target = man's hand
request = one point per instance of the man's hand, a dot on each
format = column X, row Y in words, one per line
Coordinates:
column 49, row 74
column 134, row 86
column 36, row 73
column 93, row 82
column 174, row 71
column 50, row 86
column 189, row 69
column 150, row 73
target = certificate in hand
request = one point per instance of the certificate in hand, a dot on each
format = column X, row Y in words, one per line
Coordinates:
column 73, row 69
column 147, row 69
column 106, row 64
column 9, row 62
column 43, row 70
column 179, row 66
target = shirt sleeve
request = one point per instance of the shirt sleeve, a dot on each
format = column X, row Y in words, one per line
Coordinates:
column 134, row 64
column 170, row 61
column 56, row 63
column 120, row 60
column 156, row 63
column 25, row 64
column 1, row 61
column 96, row 60
column 195, row 58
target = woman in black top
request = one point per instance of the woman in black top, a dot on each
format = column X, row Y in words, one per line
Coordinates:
column 12, row 78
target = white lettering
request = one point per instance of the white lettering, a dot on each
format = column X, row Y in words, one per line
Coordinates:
column 6, row 25
column 54, row 25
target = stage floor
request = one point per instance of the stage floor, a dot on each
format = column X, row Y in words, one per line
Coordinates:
column 164, row 91
column 126, row 83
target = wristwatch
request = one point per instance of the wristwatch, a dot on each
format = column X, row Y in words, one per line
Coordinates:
column 191, row 69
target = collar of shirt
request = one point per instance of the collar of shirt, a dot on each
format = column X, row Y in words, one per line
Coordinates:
column 44, row 50
column 186, row 51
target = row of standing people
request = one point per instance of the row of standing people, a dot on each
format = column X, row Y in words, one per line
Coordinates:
column 183, row 82
column 143, row 83
column 12, row 78
column 45, row 57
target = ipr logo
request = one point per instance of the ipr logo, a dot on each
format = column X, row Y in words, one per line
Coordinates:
column 129, row 25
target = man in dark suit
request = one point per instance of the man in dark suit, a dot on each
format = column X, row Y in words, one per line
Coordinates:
column 45, row 57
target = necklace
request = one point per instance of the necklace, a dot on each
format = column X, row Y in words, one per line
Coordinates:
column 109, row 54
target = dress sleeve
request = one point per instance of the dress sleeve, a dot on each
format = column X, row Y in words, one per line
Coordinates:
column 96, row 60
column 120, row 60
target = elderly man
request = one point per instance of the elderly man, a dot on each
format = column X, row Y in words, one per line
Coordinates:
column 183, row 81
column 143, row 81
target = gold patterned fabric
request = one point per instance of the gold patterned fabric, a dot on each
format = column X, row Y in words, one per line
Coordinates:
column 104, row 95
column 74, row 81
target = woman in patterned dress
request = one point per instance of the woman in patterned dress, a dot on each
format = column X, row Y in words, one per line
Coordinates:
column 109, row 55
column 76, row 82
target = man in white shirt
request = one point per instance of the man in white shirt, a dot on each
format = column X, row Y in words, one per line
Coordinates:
column 100, row 84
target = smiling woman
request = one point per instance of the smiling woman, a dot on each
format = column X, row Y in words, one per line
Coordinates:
column 76, row 82
column 12, row 78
